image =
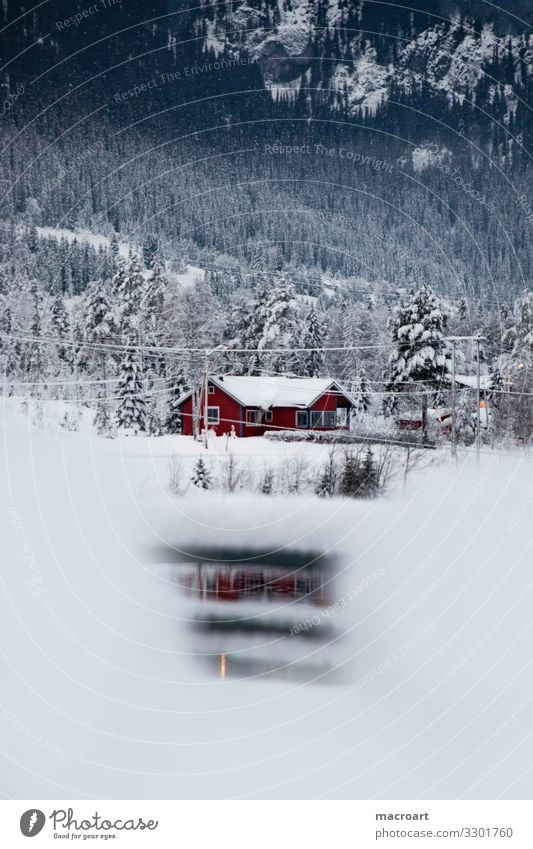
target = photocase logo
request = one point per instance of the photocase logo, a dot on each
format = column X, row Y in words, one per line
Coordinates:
column 32, row 822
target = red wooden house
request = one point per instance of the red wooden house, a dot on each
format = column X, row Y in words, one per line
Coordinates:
column 253, row 405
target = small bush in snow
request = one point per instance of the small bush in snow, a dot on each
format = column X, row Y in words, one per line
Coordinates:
column 177, row 482
column 327, row 483
column 201, row 476
column 266, row 484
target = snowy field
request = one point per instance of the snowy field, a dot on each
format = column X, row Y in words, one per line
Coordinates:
column 102, row 695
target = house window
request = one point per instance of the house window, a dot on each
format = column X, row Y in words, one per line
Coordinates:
column 301, row 418
column 323, row 418
column 254, row 417
column 213, row 415
column 342, row 416
column 211, row 390
column 268, row 416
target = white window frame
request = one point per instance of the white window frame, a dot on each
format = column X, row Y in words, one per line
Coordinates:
column 342, row 418
column 269, row 416
column 250, row 421
column 210, row 390
column 317, row 419
column 210, row 420
column 301, row 413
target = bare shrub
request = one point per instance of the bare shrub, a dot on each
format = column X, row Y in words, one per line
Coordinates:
column 295, row 472
column 267, row 480
column 178, row 481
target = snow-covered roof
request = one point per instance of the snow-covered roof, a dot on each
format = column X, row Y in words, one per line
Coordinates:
column 485, row 380
column 267, row 391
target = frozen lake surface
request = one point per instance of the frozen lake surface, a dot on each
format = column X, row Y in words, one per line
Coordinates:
column 103, row 693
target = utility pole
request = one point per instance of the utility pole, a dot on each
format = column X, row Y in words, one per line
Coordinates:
column 477, row 340
column 206, row 401
column 206, row 389
column 478, row 385
column 454, row 405
column 424, row 417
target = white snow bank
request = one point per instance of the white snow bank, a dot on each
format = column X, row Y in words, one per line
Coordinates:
column 103, row 692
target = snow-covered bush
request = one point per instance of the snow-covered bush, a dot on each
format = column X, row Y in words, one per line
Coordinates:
column 201, row 476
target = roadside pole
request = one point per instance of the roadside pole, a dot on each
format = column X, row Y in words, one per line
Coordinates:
column 454, row 402
column 478, row 385
column 206, row 401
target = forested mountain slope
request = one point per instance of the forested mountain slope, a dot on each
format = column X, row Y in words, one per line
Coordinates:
column 359, row 137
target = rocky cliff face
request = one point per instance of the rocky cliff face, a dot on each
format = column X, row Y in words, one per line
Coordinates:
column 359, row 64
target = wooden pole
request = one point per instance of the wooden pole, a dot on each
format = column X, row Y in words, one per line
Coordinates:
column 206, row 401
column 478, row 385
column 454, row 400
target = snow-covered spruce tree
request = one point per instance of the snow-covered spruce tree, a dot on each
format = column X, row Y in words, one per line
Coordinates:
column 417, row 330
column 465, row 423
column 128, row 288
column 177, row 386
column 369, row 487
column 149, row 249
column 114, row 251
column 6, row 325
column 153, row 296
column 390, row 406
column 60, row 326
column 131, row 406
column 514, row 406
column 252, row 333
column 151, row 328
column 282, row 328
column 313, row 360
column 99, row 331
column 350, row 476
column 102, row 419
column 520, row 334
column 201, row 476
column 361, row 392
column 154, row 425
column 327, row 484
column 99, row 320
column 34, row 358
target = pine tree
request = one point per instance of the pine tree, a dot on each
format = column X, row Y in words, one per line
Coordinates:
column 327, row 483
column 390, row 405
column 100, row 329
column 350, row 478
column 520, row 334
column 369, row 487
column 153, row 295
column 313, row 359
column 34, row 359
column 151, row 319
column 201, row 476
column 282, row 330
column 177, row 385
column 417, row 329
column 361, row 392
column 114, row 250
column 252, row 326
column 60, row 323
column 99, row 320
column 150, row 248
column 102, row 419
column 465, row 427
column 128, row 288
column 131, row 408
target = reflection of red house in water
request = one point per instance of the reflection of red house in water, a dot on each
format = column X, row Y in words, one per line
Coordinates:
column 239, row 582
column 253, row 405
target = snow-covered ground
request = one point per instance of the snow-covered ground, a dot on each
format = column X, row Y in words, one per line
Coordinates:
column 102, row 694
